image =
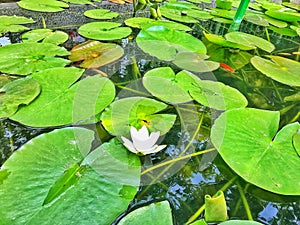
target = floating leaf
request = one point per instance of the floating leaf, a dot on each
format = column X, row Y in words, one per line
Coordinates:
column 284, row 31
column 274, row 22
column 240, row 222
column 194, row 62
column 15, row 93
column 100, row 14
column 256, row 19
column 291, row 5
column 95, row 53
column 12, row 23
column 79, row 2
column 62, row 101
column 54, row 176
column 44, row 6
column 27, row 58
column 296, row 142
column 104, row 30
column 156, row 38
column 227, row 14
column 222, row 20
column 158, row 213
column 284, row 14
column 144, row 23
column 250, row 40
column 136, row 111
column 281, row 69
column 45, row 36
column 246, row 139
column 215, row 208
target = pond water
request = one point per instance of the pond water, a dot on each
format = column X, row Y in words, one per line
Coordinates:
column 184, row 184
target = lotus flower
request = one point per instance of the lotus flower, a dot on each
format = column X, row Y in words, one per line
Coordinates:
column 141, row 142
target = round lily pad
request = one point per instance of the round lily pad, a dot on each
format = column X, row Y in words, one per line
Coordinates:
column 104, row 30
column 27, row 58
column 15, row 93
column 44, row 6
column 54, row 177
column 248, row 141
column 281, row 69
column 156, row 38
column 100, row 14
column 284, row 14
column 250, row 40
column 136, row 111
column 45, row 36
column 13, row 23
column 62, row 101
column 159, row 213
column 95, row 54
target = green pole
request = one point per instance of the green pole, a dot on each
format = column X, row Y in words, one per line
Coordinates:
column 235, row 25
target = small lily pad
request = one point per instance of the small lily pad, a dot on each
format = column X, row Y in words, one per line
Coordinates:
column 227, row 14
column 100, row 14
column 45, row 36
column 104, row 30
column 256, row 19
column 250, row 40
column 27, row 58
column 248, row 141
column 13, row 23
column 284, row 14
column 95, row 53
column 136, row 111
column 284, row 31
column 43, row 6
column 156, row 38
column 15, row 93
column 159, row 213
column 62, row 101
column 281, row 69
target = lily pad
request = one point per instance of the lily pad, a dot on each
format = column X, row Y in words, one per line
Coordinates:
column 227, row 14
column 256, row 19
column 136, row 111
column 15, row 93
column 281, row 69
column 240, row 222
column 284, row 14
column 100, row 14
column 296, row 142
column 284, row 31
column 54, row 176
column 62, row 101
column 104, row 30
column 43, row 6
column 248, row 141
column 27, row 58
column 144, row 23
column 12, row 23
column 250, row 40
column 158, row 213
column 45, row 36
column 79, row 2
column 95, row 53
column 156, row 38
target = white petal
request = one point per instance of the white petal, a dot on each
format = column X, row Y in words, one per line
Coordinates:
column 141, row 135
column 129, row 145
column 155, row 149
column 143, row 145
column 154, row 136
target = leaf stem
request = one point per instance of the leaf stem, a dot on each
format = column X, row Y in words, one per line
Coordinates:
column 244, row 199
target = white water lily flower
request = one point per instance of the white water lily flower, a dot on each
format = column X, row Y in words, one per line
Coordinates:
column 141, row 142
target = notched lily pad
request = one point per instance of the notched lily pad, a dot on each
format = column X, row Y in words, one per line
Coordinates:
column 156, row 38
column 248, row 141
column 13, row 23
column 45, row 36
column 104, row 30
column 95, row 54
column 27, row 58
column 281, row 69
column 43, row 6
column 136, row 111
column 15, row 93
column 100, row 14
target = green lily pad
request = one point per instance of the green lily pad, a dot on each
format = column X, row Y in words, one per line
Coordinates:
column 15, row 93
column 291, row 5
column 250, row 40
column 281, row 69
column 62, row 101
column 297, row 29
column 95, row 53
column 284, row 14
column 156, row 38
column 54, row 176
column 136, row 111
column 246, row 139
column 44, row 6
column 100, row 14
column 240, row 222
column 104, row 30
column 144, row 23
column 158, row 213
column 222, row 20
column 194, row 62
column 4, row 79
column 27, row 58
column 296, row 142
column 274, row 22
column 12, row 23
column 256, row 19
column 284, row 31
column 45, row 36
column 79, row 2
column 227, row 14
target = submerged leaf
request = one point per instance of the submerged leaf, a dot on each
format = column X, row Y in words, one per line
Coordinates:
column 15, row 93
column 95, row 53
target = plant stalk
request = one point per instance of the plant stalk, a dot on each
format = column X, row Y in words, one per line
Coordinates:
column 235, row 25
